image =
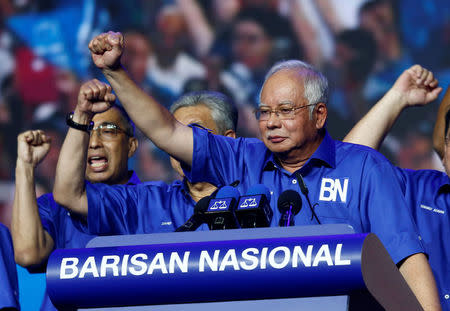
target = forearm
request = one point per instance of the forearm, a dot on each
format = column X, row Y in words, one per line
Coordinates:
column 154, row 120
column 417, row 273
column 32, row 244
column 439, row 126
column 329, row 13
column 374, row 126
column 199, row 28
column 306, row 34
column 69, row 188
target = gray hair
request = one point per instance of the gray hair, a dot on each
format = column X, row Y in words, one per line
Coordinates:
column 223, row 110
column 315, row 83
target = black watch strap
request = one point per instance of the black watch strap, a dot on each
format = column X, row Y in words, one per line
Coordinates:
column 82, row 127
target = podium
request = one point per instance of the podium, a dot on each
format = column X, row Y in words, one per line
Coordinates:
column 294, row 268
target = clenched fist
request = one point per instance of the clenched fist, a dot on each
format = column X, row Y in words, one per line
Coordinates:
column 32, row 147
column 94, row 97
column 106, row 50
column 417, row 86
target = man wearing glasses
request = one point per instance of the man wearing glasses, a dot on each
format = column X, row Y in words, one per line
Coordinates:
column 41, row 225
column 350, row 183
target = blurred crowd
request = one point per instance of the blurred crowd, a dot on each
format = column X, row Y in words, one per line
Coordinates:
column 176, row 46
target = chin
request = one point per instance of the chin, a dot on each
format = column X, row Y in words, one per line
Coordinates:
column 98, row 177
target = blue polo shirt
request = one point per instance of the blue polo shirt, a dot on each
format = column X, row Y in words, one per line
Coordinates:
column 146, row 208
column 68, row 230
column 429, row 194
column 9, row 290
column 347, row 184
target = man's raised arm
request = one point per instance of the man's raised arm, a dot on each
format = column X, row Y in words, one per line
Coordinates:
column 32, row 244
column 154, row 120
column 69, row 189
column 415, row 86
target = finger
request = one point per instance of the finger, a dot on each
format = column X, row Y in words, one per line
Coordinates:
column 87, row 91
column 431, row 96
column 102, row 106
column 429, row 78
column 25, row 136
column 415, row 71
column 424, row 74
column 110, row 97
column 95, row 90
column 433, row 83
column 102, row 87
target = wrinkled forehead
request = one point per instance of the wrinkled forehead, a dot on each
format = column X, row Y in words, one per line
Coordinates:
column 283, row 87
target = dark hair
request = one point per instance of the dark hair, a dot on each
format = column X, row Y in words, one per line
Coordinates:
column 130, row 127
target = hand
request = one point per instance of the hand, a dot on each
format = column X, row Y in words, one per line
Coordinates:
column 417, row 86
column 32, row 147
column 106, row 50
column 94, row 97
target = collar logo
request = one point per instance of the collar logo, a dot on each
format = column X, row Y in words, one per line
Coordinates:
column 333, row 190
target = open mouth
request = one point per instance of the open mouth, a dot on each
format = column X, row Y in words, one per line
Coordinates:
column 98, row 163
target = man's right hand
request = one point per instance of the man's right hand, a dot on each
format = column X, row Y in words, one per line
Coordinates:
column 106, row 50
column 32, row 147
column 94, row 97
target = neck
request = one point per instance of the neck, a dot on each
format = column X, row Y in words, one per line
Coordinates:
column 200, row 190
column 295, row 159
column 120, row 180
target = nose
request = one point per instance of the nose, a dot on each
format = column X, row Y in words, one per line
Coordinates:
column 94, row 140
column 274, row 121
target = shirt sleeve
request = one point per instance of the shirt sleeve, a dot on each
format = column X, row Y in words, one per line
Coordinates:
column 216, row 159
column 384, row 210
column 9, row 293
column 112, row 209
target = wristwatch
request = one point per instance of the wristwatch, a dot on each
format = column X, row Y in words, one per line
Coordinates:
column 81, row 127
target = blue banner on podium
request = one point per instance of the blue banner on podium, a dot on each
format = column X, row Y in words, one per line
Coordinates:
column 205, row 271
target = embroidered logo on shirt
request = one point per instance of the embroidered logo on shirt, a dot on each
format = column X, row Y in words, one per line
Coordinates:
column 330, row 189
column 436, row 210
column 166, row 223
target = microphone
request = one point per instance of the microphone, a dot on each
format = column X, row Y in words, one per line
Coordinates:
column 289, row 204
column 305, row 192
column 220, row 211
column 198, row 218
column 253, row 209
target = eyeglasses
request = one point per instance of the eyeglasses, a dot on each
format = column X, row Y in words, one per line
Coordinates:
column 284, row 112
column 109, row 131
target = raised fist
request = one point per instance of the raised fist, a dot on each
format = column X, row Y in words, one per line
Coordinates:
column 106, row 50
column 32, row 147
column 417, row 86
column 94, row 97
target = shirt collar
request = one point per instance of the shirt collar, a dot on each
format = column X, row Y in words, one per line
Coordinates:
column 134, row 179
column 325, row 153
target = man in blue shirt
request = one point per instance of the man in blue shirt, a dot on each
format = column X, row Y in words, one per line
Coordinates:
column 351, row 183
column 39, row 226
column 137, row 209
column 427, row 191
column 9, row 291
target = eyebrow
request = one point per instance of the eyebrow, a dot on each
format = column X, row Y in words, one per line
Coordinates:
column 279, row 104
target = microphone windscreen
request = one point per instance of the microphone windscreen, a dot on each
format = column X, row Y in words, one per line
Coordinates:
column 259, row 189
column 228, row 192
column 202, row 205
column 289, row 198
